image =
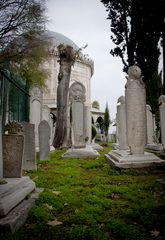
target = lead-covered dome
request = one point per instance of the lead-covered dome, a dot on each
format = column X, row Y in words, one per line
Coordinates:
column 58, row 38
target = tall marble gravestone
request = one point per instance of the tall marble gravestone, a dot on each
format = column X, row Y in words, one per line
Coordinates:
column 122, row 128
column 77, row 98
column 29, row 155
column 150, row 125
column 79, row 148
column 44, row 137
column 35, row 109
column 153, row 144
column 162, row 118
column 135, row 96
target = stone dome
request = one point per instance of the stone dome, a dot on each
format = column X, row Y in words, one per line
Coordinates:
column 58, row 38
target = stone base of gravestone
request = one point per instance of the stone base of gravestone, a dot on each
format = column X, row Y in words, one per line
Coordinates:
column 29, row 155
column 123, row 159
column 155, row 148
column 13, row 192
column 115, row 146
column 12, row 155
column 87, row 152
column 14, row 204
column 97, row 147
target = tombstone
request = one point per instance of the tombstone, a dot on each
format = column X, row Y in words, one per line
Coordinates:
column 46, row 113
column 88, row 125
column 162, row 118
column 135, row 111
column 13, row 144
column 135, row 157
column 35, row 109
column 29, row 155
column 44, row 137
column 77, row 97
column 122, row 129
column 150, row 125
column 79, row 148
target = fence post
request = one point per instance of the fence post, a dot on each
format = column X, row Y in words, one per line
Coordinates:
column 1, row 111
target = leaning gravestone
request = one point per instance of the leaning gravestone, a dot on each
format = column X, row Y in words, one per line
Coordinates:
column 13, row 144
column 44, row 137
column 29, row 155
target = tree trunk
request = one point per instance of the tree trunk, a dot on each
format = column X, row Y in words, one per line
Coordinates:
column 66, row 62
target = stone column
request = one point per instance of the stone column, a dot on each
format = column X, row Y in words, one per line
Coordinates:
column 150, row 127
column 35, row 109
column 162, row 118
column 88, row 124
column 122, row 129
column 135, row 95
column 77, row 98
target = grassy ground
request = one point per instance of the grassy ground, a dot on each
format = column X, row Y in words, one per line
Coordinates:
column 90, row 200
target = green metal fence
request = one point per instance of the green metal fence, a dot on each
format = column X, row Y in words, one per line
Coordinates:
column 14, row 98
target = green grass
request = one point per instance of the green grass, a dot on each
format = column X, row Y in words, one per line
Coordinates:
column 94, row 201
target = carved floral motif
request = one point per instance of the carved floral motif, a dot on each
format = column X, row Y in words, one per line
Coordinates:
column 14, row 128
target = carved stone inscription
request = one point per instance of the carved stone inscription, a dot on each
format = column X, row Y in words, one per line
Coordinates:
column 44, row 137
column 136, row 111
column 77, row 98
column 29, row 156
column 12, row 155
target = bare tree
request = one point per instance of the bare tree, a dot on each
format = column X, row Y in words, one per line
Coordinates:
column 18, row 18
column 67, row 58
column 22, row 44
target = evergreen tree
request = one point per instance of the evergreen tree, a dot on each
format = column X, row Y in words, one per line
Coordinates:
column 106, row 121
column 136, row 28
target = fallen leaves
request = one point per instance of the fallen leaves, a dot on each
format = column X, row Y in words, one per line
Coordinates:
column 155, row 233
column 54, row 223
column 48, row 206
column 57, row 193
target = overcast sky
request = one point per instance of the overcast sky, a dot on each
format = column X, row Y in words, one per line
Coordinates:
column 84, row 22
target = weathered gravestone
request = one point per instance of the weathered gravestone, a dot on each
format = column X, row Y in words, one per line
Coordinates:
column 162, row 118
column 136, row 126
column 135, row 95
column 77, row 97
column 121, row 119
column 78, row 126
column 13, row 144
column 150, row 125
column 35, row 109
column 29, row 155
column 44, row 138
